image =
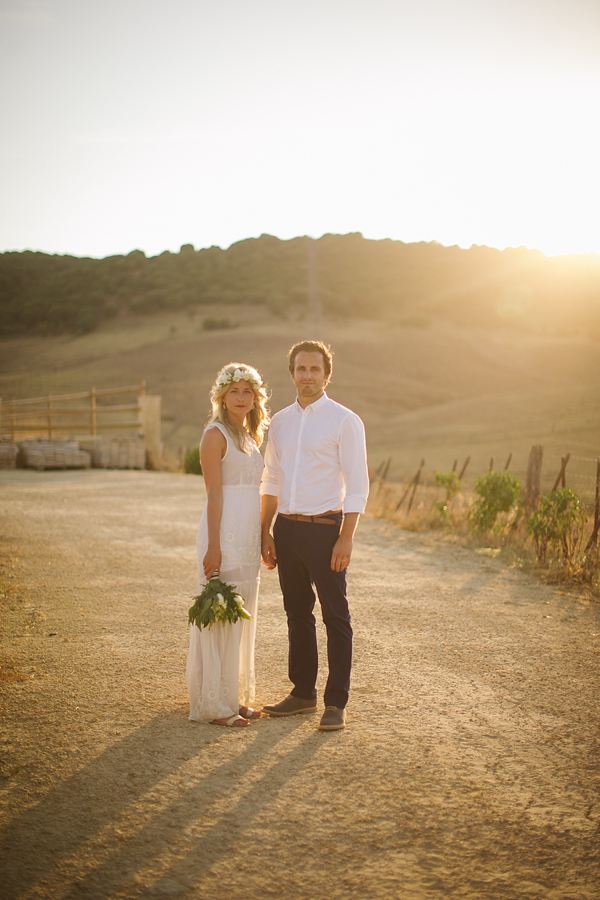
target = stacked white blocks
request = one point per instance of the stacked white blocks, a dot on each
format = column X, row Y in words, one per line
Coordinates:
column 123, row 452
column 8, row 455
column 53, row 454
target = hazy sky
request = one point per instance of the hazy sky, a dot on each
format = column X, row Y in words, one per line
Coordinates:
column 152, row 123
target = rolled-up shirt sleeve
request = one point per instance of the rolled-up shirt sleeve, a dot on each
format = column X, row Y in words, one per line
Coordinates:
column 353, row 463
column 270, row 478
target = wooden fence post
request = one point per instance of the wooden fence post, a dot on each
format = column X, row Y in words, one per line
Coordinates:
column 464, row 468
column 93, row 410
column 149, row 414
column 49, row 416
column 507, row 463
column 384, row 474
column 413, row 485
column 414, row 490
column 377, row 472
column 594, row 536
column 560, row 478
column 534, row 474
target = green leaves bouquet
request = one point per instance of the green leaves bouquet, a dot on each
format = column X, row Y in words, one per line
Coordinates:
column 218, row 602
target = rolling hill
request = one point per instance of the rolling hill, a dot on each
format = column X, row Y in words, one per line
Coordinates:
column 434, row 389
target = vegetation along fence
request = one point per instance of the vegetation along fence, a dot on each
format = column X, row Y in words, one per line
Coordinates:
column 500, row 503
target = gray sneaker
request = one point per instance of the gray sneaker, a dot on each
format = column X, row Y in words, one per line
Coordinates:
column 333, row 719
column 291, row 706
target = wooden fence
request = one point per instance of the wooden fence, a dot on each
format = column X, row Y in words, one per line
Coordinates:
column 85, row 413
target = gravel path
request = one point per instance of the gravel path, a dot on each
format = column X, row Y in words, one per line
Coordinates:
column 469, row 768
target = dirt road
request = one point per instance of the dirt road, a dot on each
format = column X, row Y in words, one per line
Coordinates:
column 469, row 768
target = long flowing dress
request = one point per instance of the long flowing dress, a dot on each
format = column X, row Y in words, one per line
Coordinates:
column 220, row 664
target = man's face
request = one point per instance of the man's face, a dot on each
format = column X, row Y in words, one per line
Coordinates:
column 309, row 376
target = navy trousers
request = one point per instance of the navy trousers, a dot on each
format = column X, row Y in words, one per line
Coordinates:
column 303, row 560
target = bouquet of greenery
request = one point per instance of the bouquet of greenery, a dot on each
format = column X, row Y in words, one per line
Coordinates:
column 218, row 602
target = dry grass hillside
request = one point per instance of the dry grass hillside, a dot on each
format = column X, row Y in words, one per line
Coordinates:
column 440, row 392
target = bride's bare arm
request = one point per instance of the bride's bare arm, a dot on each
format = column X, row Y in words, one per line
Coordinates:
column 212, row 450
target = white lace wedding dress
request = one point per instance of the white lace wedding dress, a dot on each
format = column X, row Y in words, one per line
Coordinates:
column 220, row 664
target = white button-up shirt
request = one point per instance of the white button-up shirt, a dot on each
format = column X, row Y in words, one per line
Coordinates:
column 316, row 459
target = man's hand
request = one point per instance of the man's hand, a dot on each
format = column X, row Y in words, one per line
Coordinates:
column 342, row 552
column 269, row 554
column 267, row 514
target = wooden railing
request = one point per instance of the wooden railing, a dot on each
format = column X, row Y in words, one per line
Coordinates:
column 53, row 416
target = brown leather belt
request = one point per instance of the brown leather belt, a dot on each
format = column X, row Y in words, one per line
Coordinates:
column 321, row 519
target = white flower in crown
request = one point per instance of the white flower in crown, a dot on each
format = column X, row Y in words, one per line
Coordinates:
column 248, row 375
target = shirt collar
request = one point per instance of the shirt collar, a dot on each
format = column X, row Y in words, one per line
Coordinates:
column 314, row 407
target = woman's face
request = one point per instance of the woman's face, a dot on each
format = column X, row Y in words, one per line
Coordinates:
column 239, row 399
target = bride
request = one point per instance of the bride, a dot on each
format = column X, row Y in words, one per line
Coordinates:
column 220, row 664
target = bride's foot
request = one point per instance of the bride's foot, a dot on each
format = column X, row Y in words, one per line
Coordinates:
column 248, row 713
column 234, row 721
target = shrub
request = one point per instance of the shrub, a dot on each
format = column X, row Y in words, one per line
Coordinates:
column 499, row 492
column 558, row 523
column 191, row 464
column 451, row 482
column 216, row 324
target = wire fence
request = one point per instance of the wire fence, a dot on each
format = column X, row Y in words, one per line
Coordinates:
column 422, row 498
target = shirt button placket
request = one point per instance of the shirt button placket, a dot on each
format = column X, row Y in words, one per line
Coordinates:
column 297, row 463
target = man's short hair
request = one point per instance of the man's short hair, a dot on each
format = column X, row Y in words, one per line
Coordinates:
column 312, row 347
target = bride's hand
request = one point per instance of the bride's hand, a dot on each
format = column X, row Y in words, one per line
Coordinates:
column 212, row 561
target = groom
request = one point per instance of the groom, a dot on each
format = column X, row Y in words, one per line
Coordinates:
column 316, row 480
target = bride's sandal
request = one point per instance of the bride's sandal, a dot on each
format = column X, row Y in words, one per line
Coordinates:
column 246, row 712
column 233, row 721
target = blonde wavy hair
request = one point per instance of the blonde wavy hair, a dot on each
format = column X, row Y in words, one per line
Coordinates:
column 257, row 420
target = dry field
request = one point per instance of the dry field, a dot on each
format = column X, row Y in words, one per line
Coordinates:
column 441, row 392
column 469, row 769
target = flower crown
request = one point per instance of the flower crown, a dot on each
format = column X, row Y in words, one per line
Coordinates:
column 240, row 374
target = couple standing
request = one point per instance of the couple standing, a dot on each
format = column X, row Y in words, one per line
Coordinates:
column 315, row 478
